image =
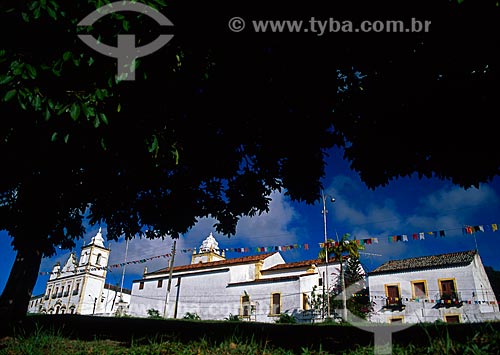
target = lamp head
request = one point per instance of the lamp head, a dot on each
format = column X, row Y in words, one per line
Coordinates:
column 332, row 199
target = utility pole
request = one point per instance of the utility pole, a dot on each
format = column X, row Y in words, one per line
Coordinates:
column 124, row 266
column 342, row 282
column 323, row 196
column 171, row 267
column 95, row 302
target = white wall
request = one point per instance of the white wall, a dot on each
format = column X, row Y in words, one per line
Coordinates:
column 470, row 280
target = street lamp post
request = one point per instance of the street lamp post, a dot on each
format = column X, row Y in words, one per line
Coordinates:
column 323, row 196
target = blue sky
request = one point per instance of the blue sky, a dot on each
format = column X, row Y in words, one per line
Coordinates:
column 405, row 206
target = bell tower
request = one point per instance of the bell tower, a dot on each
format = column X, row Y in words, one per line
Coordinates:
column 94, row 259
column 208, row 251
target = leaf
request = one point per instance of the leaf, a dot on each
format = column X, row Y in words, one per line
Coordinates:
column 52, row 13
column 33, row 5
column 47, row 114
column 74, row 111
column 103, row 144
column 54, row 137
column 61, row 109
column 101, row 93
column 6, row 79
column 97, row 123
column 103, row 118
column 37, row 103
column 175, row 153
column 9, row 95
column 37, row 13
column 66, row 55
column 154, row 145
column 119, row 107
column 66, row 138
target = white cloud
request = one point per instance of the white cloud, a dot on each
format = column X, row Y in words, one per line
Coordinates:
column 262, row 230
column 453, row 198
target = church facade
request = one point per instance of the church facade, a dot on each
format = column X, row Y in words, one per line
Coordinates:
column 255, row 288
column 79, row 285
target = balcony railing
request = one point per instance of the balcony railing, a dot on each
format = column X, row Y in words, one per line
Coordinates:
column 394, row 304
column 449, row 299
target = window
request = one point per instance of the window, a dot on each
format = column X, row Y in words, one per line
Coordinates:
column 275, row 303
column 98, row 260
column 306, row 305
column 160, row 283
column 320, row 282
column 393, row 299
column 452, row 318
column 396, row 320
column 245, row 306
column 419, row 289
column 141, row 285
column 447, row 287
column 392, row 293
column 75, row 291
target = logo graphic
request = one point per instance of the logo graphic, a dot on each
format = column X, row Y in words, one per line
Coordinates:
column 382, row 332
column 126, row 52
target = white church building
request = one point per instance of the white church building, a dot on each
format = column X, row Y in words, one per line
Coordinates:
column 79, row 285
column 255, row 288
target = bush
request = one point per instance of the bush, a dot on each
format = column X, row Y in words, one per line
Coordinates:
column 153, row 313
column 233, row 318
column 286, row 318
column 192, row 316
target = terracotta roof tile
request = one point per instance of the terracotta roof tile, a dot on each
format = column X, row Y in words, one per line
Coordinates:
column 299, row 264
column 199, row 266
column 426, row 262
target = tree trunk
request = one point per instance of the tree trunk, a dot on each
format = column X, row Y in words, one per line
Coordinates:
column 16, row 296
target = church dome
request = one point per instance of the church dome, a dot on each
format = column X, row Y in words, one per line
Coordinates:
column 209, row 244
column 98, row 240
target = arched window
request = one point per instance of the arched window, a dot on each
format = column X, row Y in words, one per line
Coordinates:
column 98, row 260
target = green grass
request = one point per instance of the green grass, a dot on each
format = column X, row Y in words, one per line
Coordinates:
column 483, row 341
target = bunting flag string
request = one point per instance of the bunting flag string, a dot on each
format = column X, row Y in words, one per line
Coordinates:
column 190, row 250
column 467, row 229
column 437, row 300
column 256, row 249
